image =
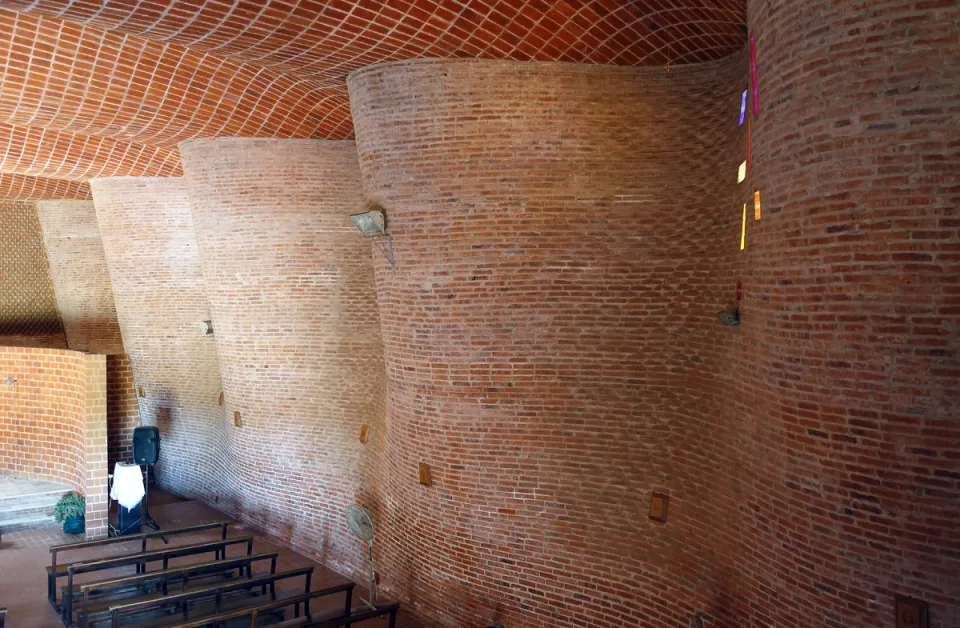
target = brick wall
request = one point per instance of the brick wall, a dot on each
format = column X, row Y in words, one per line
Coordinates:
column 297, row 332
column 53, row 422
column 80, row 277
column 28, row 306
column 562, row 237
column 848, row 363
column 123, row 412
column 151, row 252
column 95, row 445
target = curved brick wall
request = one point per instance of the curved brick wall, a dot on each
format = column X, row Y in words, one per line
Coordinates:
column 80, row 277
column 151, row 252
column 561, row 234
column 849, row 363
column 291, row 289
column 53, row 423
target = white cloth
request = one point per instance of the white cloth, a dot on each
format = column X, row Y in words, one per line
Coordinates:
column 127, row 484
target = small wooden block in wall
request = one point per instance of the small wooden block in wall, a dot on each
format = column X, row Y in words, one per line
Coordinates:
column 220, row 400
column 140, row 392
column 658, row 507
column 425, row 477
column 364, row 434
column 236, row 418
column 911, row 613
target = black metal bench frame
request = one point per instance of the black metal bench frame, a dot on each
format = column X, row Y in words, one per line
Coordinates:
column 141, row 559
column 53, row 573
column 163, row 578
column 254, row 612
column 217, row 592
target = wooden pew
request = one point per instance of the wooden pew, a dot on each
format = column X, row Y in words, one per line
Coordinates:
column 55, row 570
column 268, row 608
column 141, row 559
column 3, row 617
column 216, row 593
column 86, row 610
column 356, row 616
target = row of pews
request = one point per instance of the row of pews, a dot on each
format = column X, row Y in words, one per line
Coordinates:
column 205, row 589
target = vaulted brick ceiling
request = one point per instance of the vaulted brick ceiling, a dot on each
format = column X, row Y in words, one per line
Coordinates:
column 97, row 88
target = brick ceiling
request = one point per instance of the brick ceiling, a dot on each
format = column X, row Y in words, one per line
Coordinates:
column 109, row 88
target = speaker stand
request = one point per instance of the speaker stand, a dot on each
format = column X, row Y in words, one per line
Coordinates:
column 145, row 516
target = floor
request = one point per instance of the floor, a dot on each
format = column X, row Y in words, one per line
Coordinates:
column 23, row 556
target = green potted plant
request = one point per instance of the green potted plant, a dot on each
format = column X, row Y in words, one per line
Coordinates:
column 70, row 511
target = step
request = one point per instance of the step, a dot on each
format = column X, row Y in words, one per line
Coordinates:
column 23, row 504
column 30, row 521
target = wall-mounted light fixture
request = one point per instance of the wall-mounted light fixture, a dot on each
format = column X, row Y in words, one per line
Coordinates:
column 732, row 318
column 373, row 225
column 10, row 381
column 207, row 327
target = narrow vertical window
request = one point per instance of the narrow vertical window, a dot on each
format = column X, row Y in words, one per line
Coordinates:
column 753, row 74
column 756, row 205
column 742, row 172
column 743, row 106
column 743, row 229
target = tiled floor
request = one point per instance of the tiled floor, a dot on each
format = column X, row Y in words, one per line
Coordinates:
column 23, row 556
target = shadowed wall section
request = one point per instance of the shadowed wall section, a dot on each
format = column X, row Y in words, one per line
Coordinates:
column 151, row 253
column 291, row 289
column 849, row 359
column 28, row 305
column 80, row 276
column 560, row 235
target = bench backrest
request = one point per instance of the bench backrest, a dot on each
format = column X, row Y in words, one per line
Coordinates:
column 160, row 554
column 253, row 612
column 142, row 538
column 116, row 612
column 89, row 588
column 361, row 615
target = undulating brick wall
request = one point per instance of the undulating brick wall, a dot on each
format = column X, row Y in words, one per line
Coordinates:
column 562, row 235
column 28, row 306
column 151, row 253
column 123, row 412
column 291, row 290
column 53, row 422
column 848, row 371
column 80, row 277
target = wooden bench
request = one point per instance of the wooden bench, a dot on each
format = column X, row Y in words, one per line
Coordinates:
column 359, row 615
column 254, row 612
column 3, row 617
column 216, row 593
column 140, row 560
column 88, row 610
column 55, row 570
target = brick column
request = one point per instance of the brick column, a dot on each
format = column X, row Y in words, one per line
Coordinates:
column 151, row 253
column 290, row 282
column 95, row 445
column 561, row 235
column 848, row 371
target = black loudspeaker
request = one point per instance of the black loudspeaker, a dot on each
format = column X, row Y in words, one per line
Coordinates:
column 146, row 445
column 129, row 521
